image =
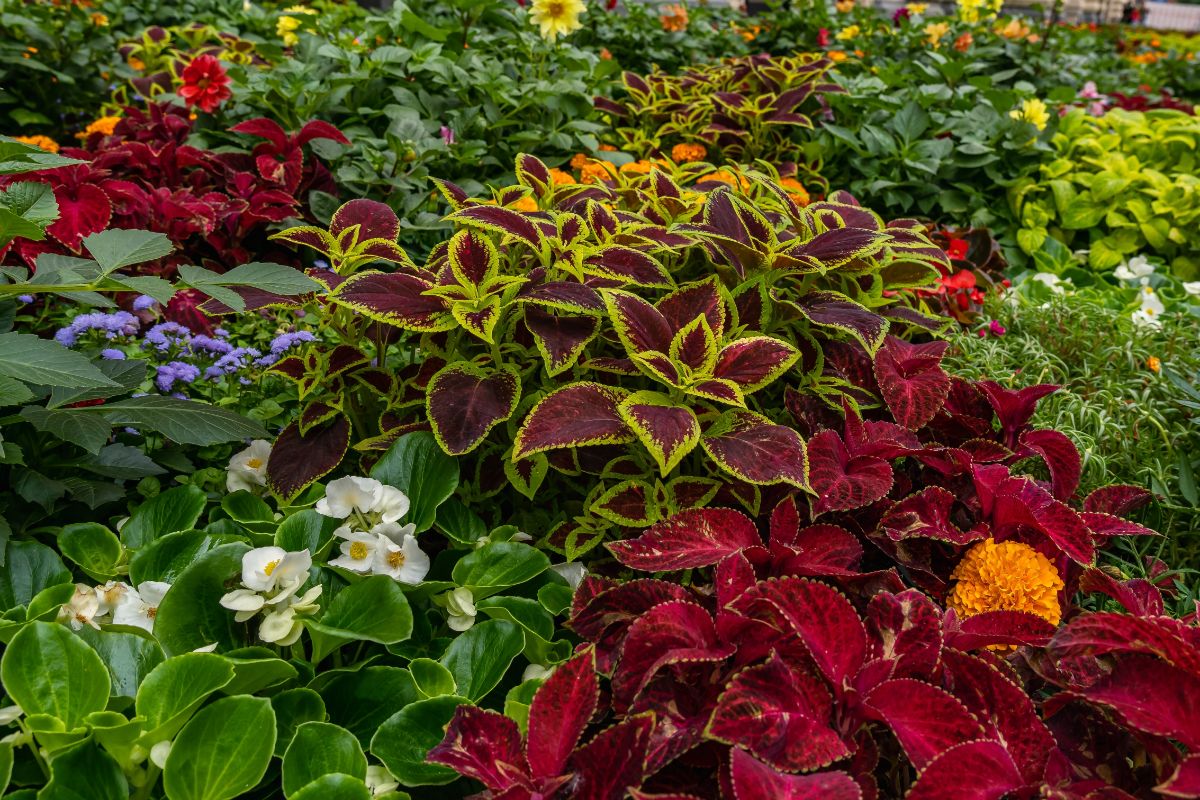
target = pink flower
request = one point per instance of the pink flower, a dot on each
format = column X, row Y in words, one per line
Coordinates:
column 1089, row 92
column 1096, row 109
column 996, row 328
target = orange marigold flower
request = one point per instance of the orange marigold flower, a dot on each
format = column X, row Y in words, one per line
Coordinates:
column 726, row 177
column 1154, row 363
column 641, row 167
column 963, row 43
column 837, row 55
column 578, row 160
column 525, row 203
column 1009, row 576
column 595, row 171
column 684, row 152
column 44, row 142
column 796, row 191
column 605, row 54
column 608, row 148
column 674, row 17
column 104, row 125
column 560, row 177
column 136, row 63
column 99, row 20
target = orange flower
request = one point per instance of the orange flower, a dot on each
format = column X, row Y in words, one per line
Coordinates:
column 859, row 53
column 526, row 203
column 104, row 125
column 837, row 55
column 674, row 17
column 684, row 152
column 796, row 191
column 608, row 148
column 596, row 171
column 726, row 177
column 605, row 55
column 44, row 142
column 1154, row 363
column 560, row 178
column 963, row 43
column 1009, row 576
column 641, row 167
column 136, row 63
column 578, row 160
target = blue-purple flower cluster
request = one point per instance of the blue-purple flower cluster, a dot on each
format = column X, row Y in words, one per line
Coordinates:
column 117, row 323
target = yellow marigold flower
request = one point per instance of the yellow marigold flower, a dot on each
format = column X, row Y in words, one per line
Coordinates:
column 844, row 6
column 99, row 20
column 44, row 142
column 104, row 125
column 674, row 17
column 1154, row 363
column 556, row 18
column 795, row 190
column 299, row 10
column 917, row 8
column 847, row 33
column 684, row 152
column 1032, row 111
column 559, row 177
column 1009, row 576
column 525, row 203
column 934, row 32
column 286, row 28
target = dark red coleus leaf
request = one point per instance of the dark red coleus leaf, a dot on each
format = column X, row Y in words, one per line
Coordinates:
column 1184, row 781
column 751, row 780
column 906, row 630
column 83, row 209
column 925, row 719
column 395, row 298
column 640, row 325
column 667, row 430
column 1089, row 636
column 484, row 746
column 465, row 401
column 754, row 362
column 702, row 298
column 756, row 450
column 1014, row 408
column 1061, row 457
column 843, row 482
column 698, row 537
column 980, row 770
column 560, row 712
column 1117, row 500
column 375, row 220
column 560, row 337
column 500, row 220
column 927, row 514
column 298, row 460
column 579, row 414
column 1152, row 696
column 837, row 311
column 1009, row 628
column 614, row 760
column 911, row 380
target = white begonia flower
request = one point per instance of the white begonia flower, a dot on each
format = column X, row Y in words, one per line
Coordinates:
column 245, row 602
column 1151, row 311
column 110, row 595
column 391, row 505
column 397, row 554
column 139, row 607
column 380, row 781
column 82, row 608
column 1052, row 281
column 248, row 469
column 208, row 648
column 1192, row 288
column 1137, row 268
column 346, row 495
column 266, row 568
column 536, row 672
column 159, row 753
column 10, row 714
column 358, row 551
column 280, row 627
column 572, row 572
column 307, row 602
column 460, row 605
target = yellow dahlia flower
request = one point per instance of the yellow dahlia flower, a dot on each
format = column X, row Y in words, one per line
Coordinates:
column 556, row 18
column 1032, row 111
column 1009, row 576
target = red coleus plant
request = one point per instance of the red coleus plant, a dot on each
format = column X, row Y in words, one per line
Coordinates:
column 217, row 207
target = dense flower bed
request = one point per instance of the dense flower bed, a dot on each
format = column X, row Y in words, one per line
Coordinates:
column 567, row 399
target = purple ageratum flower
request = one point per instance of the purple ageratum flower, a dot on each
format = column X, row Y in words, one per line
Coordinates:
column 118, row 323
column 220, row 332
column 207, row 344
column 321, row 263
column 143, row 302
column 25, row 298
column 166, row 335
column 447, row 135
column 175, row 371
column 234, row 361
column 281, row 344
column 112, row 354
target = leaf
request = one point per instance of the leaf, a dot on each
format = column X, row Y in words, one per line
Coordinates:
column 298, row 459
column 559, row 714
column 48, row 670
column 926, row 720
column 417, row 466
column 361, row 701
column 372, row 610
column 837, row 311
column 190, row 615
column 95, row 548
column 319, row 748
column 118, row 247
column 128, row 375
column 174, row 510
column 85, row 772
column 42, row 362
column 698, row 537
column 483, row 746
column 464, row 402
column 336, row 787
column 497, row 566
column 911, row 380
column 222, row 752
column 479, row 657
column 166, row 558
column 80, row 429
column 667, row 430
column 29, row 568
column 175, row 689
column 575, row 415
column 130, row 657
column 841, row 482
column 431, row 678
column 756, row 450
column 182, row 421
column 293, row 708
column 969, row 771
column 752, row 778
column 121, row 462
column 404, row 740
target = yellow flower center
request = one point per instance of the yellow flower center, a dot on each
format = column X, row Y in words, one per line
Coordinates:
column 254, row 463
column 270, row 567
column 358, row 551
column 1009, row 576
column 555, row 9
column 395, row 560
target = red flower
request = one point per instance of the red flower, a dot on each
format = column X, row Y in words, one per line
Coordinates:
column 610, row 5
column 205, row 84
column 957, row 249
column 823, row 37
column 963, row 279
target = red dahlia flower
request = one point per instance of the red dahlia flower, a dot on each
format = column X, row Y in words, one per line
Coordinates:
column 205, row 84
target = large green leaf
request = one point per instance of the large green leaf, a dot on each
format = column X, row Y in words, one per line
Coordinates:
column 174, row 510
column 498, row 566
column 191, row 615
column 88, row 431
column 373, row 610
column 85, row 772
column 130, row 657
column 119, row 247
column 405, row 739
column 43, row 362
column 49, row 670
column 479, row 657
column 320, row 748
column 417, row 466
column 174, row 689
column 165, row 559
column 293, row 708
column 29, row 567
column 223, row 751
column 336, row 787
column 182, row 421
column 95, row 548
column 361, row 700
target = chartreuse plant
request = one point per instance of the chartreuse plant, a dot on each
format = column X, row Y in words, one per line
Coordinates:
column 212, row 651
column 629, row 328
column 1122, row 184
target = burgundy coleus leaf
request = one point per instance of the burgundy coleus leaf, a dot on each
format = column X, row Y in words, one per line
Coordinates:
column 694, row 346
column 979, row 770
column 298, row 460
column 614, row 761
column 837, row 311
column 927, row 514
column 375, row 220
column 753, row 780
column 823, row 619
column 1108, row 525
column 397, row 299
column 840, row 481
column 672, row 633
column 1032, row 507
column 604, row 618
column 820, row 550
column 472, row 258
column 532, row 172
column 906, row 631
column 697, row 537
column 668, row 431
column 754, row 362
column 580, row 414
column 926, row 720
column 1138, row 595
column 484, row 746
column 629, row 503
column 1006, row 628
column 702, row 298
column 1014, row 407
column 500, row 220
column 560, row 712
column 465, row 401
column 628, row 266
column 756, row 450
column 1097, row 634
column 911, row 380
column 1117, row 500
column 780, row 714
column 563, row 296
column 836, row 248
column 560, row 338
column 83, row 209
column 1184, row 781
column 1061, row 457
column 1153, row 697
column 641, row 326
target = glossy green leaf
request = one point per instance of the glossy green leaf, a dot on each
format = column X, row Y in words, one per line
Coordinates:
column 499, row 566
column 373, row 610
column 319, row 748
column 175, row 689
column 403, row 741
column 223, row 751
column 166, row 558
column 334, row 787
column 479, row 657
column 129, row 656
column 85, row 772
column 293, row 708
column 92, row 546
column 417, row 466
column 29, row 567
column 431, row 677
column 360, row 701
column 46, row 669
column 174, row 510
column 191, row 615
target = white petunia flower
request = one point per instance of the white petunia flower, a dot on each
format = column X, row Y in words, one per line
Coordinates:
column 380, row 781
column 245, row 602
column 248, row 469
column 346, row 495
column 358, row 551
column 1137, row 268
column 110, row 595
column 397, row 554
column 1052, row 281
column 82, row 609
column 391, row 505
column 460, row 606
column 1192, row 288
column 1150, row 313
column 572, row 572
column 139, row 607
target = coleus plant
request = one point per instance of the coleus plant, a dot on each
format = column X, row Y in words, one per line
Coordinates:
column 626, row 327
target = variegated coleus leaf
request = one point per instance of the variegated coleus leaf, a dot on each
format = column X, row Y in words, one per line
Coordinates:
column 667, row 430
column 756, row 450
column 579, row 414
column 843, row 482
column 396, row 298
column 926, row 514
column 754, row 362
column 504, row 221
column 560, row 712
column 838, row 312
column 631, row 503
column 698, row 537
column 694, row 346
column 624, row 264
column 911, row 380
column 560, row 338
column 465, row 401
column 360, row 232
column 298, row 460
column 484, row 746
